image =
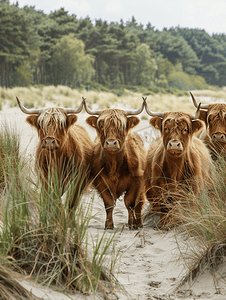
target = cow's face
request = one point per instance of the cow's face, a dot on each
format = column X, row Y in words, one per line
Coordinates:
column 112, row 127
column 176, row 130
column 215, row 119
column 52, row 126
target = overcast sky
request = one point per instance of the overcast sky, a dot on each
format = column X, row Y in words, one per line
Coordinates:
column 202, row 14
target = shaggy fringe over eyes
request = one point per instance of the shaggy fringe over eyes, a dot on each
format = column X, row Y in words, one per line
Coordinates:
column 52, row 116
column 114, row 121
column 219, row 116
column 180, row 122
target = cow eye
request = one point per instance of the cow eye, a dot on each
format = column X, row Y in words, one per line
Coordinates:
column 101, row 125
column 185, row 130
column 166, row 129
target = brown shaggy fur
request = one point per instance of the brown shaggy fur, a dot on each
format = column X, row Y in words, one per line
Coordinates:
column 168, row 169
column 215, row 120
column 119, row 169
column 64, row 146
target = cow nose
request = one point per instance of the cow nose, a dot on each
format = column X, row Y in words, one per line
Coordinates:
column 111, row 144
column 174, row 146
column 219, row 137
column 49, row 143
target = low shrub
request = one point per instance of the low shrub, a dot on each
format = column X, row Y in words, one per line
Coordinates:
column 183, row 81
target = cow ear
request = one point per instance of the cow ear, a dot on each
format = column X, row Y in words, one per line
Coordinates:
column 92, row 121
column 132, row 122
column 203, row 115
column 197, row 125
column 156, row 122
column 32, row 120
column 71, row 119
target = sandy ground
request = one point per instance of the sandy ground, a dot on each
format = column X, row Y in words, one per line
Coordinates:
column 151, row 265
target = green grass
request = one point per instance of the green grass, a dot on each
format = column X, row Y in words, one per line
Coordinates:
column 46, row 239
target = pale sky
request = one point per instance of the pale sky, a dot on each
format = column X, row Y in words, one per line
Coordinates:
column 202, row 14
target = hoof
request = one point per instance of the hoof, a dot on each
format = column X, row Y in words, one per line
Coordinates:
column 133, row 227
column 109, row 227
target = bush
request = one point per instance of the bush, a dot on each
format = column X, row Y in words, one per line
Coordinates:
column 183, row 81
column 95, row 86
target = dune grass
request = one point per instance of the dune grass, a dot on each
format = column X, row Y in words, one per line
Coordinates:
column 44, row 238
column 10, row 287
column 67, row 97
column 203, row 219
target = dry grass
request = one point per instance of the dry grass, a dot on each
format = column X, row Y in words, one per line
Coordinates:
column 204, row 222
column 10, row 287
column 67, row 97
column 213, row 94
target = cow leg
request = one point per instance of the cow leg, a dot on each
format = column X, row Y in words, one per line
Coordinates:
column 109, row 215
column 138, row 210
column 133, row 205
column 153, row 199
column 131, row 215
column 109, row 202
column 80, row 187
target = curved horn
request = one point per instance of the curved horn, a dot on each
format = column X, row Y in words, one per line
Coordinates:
column 138, row 111
column 77, row 110
column 203, row 106
column 28, row 111
column 197, row 114
column 89, row 111
column 97, row 112
column 151, row 113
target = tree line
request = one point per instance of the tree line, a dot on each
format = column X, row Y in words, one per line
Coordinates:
column 60, row 49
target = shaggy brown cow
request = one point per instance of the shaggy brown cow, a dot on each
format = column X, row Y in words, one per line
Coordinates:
column 118, row 162
column 64, row 148
column 214, row 116
column 176, row 159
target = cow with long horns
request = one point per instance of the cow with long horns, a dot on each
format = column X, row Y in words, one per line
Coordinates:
column 64, row 149
column 176, row 160
column 214, row 116
column 118, row 161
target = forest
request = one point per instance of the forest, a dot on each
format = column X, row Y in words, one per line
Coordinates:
column 60, row 49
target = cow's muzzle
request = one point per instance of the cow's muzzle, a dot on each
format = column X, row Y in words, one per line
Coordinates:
column 175, row 147
column 111, row 145
column 219, row 137
column 50, row 143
